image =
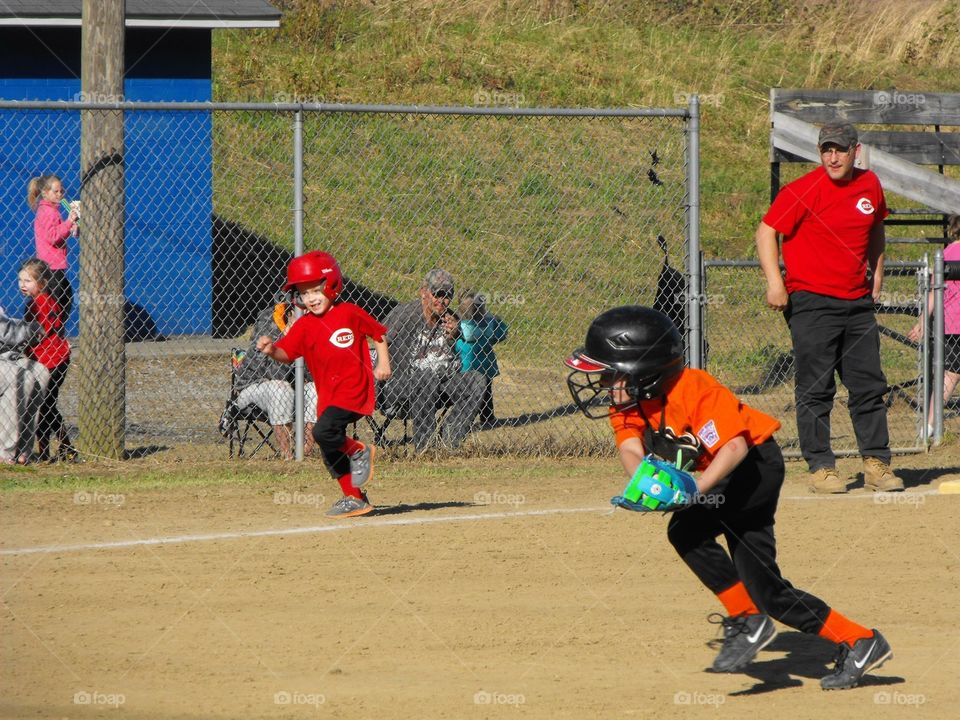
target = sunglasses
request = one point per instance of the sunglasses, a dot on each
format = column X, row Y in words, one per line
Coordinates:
column 442, row 294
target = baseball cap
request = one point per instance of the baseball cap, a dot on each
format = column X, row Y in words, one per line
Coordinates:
column 439, row 281
column 842, row 134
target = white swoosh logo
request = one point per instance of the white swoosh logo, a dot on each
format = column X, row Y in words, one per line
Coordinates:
column 756, row 636
column 864, row 661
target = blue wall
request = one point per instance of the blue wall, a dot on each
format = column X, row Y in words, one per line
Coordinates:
column 169, row 189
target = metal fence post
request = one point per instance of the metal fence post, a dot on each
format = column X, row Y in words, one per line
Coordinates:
column 298, row 250
column 936, row 394
column 695, row 339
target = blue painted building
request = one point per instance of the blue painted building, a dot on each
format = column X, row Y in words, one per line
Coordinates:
column 168, row 155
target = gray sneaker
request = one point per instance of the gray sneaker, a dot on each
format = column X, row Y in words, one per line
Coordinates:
column 348, row 506
column 852, row 663
column 743, row 638
column 361, row 465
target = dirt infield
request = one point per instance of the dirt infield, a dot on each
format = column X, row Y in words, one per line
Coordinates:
column 507, row 590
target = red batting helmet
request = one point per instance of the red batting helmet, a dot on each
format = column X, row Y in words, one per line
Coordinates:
column 312, row 267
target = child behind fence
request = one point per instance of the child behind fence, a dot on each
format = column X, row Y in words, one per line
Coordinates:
column 951, row 320
column 44, row 195
column 52, row 351
column 480, row 331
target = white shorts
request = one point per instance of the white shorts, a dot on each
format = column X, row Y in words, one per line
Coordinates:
column 275, row 398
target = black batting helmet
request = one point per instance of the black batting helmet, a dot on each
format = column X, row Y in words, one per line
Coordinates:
column 633, row 342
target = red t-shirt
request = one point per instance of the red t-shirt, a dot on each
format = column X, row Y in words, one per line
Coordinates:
column 54, row 349
column 334, row 347
column 697, row 404
column 826, row 228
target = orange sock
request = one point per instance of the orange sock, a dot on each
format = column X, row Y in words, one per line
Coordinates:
column 350, row 446
column 737, row 601
column 839, row 629
column 346, row 484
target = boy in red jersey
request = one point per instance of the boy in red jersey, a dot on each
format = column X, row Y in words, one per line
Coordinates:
column 634, row 354
column 831, row 220
column 331, row 339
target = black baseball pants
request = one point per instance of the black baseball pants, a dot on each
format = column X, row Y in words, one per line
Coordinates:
column 330, row 432
column 744, row 513
column 833, row 335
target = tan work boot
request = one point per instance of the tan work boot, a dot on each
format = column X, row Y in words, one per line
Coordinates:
column 878, row 476
column 826, row 480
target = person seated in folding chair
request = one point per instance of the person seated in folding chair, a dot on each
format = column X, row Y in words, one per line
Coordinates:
column 23, row 382
column 264, row 382
column 427, row 373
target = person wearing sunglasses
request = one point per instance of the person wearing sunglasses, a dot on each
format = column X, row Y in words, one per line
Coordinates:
column 422, row 337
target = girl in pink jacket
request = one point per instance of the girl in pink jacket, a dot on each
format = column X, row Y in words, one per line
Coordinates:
column 51, row 231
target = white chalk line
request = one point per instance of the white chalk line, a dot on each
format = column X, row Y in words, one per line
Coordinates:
column 340, row 526
column 334, row 526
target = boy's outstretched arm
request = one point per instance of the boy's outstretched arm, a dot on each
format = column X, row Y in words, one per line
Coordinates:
column 382, row 371
column 266, row 346
column 724, row 462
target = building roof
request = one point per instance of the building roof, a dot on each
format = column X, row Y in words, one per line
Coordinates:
column 147, row 13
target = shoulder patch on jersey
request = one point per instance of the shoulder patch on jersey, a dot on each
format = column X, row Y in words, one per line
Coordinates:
column 708, row 434
column 865, row 206
column 342, row 338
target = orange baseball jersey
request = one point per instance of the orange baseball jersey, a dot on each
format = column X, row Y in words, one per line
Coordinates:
column 698, row 404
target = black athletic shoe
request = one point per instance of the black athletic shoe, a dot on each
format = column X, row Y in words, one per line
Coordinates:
column 743, row 638
column 852, row 663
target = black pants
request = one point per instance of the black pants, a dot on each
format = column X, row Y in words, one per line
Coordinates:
column 50, row 421
column 62, row 292
column 420, row 393
column 832, row 335
column 745, row 518
column 330, row 432
column 486, row 414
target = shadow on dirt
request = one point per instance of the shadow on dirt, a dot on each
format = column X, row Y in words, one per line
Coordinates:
column 915, row 477
column 404, row 508
column 142, row 452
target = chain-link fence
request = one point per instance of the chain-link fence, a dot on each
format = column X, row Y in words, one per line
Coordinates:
column 751, row 352
column 549, row 216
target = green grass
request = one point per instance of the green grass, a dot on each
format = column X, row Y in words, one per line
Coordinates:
column 605, row 53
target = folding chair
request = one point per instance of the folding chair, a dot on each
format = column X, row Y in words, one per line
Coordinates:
column 237, row 424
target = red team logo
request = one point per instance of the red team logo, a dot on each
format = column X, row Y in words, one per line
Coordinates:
column 865, row 206
column 342, row 338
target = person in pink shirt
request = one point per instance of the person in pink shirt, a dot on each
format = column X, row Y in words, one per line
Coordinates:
column 951, row 319
column 51, row 231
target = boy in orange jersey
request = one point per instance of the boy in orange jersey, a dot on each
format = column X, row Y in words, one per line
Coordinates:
column 634, row 354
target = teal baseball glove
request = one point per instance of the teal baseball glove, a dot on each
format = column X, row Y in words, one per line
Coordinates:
column 657, row 486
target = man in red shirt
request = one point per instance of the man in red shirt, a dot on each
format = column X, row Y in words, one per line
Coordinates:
column 332, row 338
column 831, row 221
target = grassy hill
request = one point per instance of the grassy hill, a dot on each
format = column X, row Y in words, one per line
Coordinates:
column 626, row 53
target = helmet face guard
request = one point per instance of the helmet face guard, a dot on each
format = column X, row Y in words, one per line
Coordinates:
column 592, row 386
column 631, row 353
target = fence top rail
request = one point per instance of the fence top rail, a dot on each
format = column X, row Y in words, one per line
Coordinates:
column 347, row 108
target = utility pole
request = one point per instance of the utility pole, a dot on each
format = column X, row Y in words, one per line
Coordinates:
column 102, row 363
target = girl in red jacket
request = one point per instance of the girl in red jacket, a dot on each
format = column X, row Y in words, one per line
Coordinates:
column 53, row 352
